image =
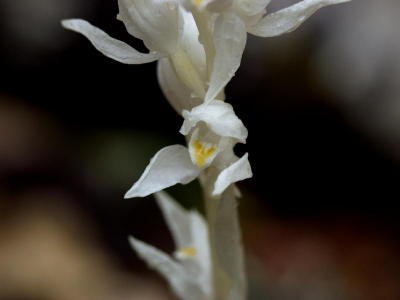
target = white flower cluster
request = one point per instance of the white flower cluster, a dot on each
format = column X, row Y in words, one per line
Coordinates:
column 198, row 45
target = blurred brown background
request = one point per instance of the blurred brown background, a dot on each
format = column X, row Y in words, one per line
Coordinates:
column 77, row 129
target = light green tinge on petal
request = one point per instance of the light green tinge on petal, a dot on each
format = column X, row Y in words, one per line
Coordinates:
column 109, row 46
column 288, row 19
column 178, row 95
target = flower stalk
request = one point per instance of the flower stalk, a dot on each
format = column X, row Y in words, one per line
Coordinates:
column 198, row 45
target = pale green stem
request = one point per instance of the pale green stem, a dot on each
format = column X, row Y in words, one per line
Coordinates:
column 221, row 285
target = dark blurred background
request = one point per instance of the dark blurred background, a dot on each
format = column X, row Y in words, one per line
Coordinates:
column 77, row 129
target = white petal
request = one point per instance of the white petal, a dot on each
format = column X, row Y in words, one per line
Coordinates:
column 239, row 170
column 156, row 22
column 109, row 46
column 228, row 245
column 219, row 117
column 200, row 240
column 288, row 19
column 229, row 40
column 177, row 219
column 178, row 95
column 189, row 229
column 190, row 42
column 170, row 165
column 171, row 270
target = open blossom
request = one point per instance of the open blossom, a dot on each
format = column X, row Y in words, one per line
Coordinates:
column 189, row 272
column 214, row 129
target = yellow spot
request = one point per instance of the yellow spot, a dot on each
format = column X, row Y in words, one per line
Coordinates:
column 186, row 252
column 198, row 2
column 202, row 152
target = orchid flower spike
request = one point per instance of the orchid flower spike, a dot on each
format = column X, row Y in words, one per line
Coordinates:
column 198, row 45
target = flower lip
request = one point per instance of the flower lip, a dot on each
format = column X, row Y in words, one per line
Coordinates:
column 219, row 117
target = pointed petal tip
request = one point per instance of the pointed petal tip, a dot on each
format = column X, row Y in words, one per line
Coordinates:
column 237, row 171
column 130, row 194
column 169, row 166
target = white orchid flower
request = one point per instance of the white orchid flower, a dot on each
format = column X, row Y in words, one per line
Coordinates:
column 214, row 129
column 160, row 35
column 189, row 272
column 171, row 35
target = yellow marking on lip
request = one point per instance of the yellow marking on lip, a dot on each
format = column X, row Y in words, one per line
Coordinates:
column 187, row 252
column 203, row 152
column 198, row 2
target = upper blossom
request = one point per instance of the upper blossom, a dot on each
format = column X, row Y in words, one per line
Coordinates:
column 187, row 77
column 170, row 34
column 160, row 34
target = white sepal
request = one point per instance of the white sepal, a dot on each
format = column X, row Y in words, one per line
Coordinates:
column 237, row 171
column 170, row 165
column 288, row 19
column 190, row 42
column 178, row 95
column 109, row 46
column 170, row 269
column 229, row 41
column 228, row 246
column 219, row 117
column 156, row 22
column 190, row 275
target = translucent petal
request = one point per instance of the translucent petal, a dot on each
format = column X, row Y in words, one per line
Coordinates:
column 178, row 95
column 239, row 170
column 219, row 117
column 170, row 269
column 156, row 22
column 288, row 19
column 229, row 248
column 109, row 46
column 229, row 40
column 170, row 165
